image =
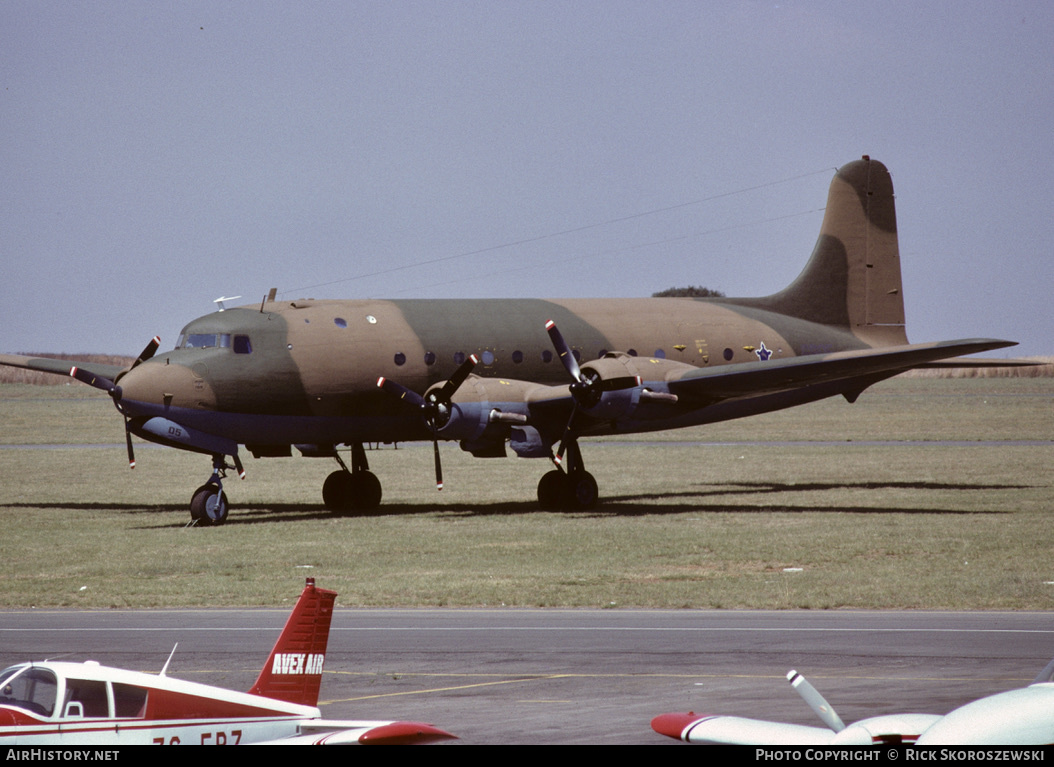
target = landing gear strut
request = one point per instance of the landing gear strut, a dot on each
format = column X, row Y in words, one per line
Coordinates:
column 574, row 491
column 208, row 505
column 355, row 490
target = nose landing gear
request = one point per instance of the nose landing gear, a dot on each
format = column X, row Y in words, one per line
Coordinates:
column 208, row 505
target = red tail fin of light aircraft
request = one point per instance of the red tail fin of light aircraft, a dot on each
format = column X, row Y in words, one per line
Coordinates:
column 293, row 671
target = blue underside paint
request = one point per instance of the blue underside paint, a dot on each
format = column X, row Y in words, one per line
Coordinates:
column 240, row 428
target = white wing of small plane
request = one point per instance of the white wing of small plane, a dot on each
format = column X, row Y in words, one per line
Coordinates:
column 332, row 732
column 1016, row 717
column 735, row 730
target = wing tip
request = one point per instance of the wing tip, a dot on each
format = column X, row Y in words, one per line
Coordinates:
column 404, row 734
column 673, row 725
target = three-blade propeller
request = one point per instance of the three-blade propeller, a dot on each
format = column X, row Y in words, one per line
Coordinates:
column 111, row 388
column 434, row 406
column 586, row 390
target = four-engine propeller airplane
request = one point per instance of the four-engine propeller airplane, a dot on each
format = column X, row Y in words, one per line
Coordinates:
column 61, row 703
column 1017, row 717
column 320, row 374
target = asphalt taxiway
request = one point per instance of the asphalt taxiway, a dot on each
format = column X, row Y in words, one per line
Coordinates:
column 574, row 676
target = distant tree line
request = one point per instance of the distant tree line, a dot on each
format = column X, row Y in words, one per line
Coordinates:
column 692, row 291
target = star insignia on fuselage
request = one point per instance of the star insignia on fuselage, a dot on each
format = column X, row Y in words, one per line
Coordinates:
column 763, row 353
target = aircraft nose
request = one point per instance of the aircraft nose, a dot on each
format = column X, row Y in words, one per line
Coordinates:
column 158, row 383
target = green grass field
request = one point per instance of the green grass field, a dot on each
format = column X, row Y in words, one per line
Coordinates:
column 926, row 493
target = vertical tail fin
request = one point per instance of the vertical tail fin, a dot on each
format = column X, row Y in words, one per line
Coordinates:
column 853, row 277
column 293, row 671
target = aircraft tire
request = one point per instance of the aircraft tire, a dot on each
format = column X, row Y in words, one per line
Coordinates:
column 582, row 491
column 344, row 492
column 551, row 490
column 337, row 491
column 367, row 491
column 208, row 506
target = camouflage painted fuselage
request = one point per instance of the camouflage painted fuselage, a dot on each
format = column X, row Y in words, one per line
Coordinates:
column 306, row 371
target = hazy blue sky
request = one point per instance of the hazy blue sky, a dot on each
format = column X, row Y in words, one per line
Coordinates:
column 156, row 156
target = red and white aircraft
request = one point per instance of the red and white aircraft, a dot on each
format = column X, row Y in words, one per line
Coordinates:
column 1016, row 717
column 51, row 703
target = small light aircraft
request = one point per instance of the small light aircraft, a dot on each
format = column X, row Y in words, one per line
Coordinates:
column 1017, row 717
column 61, row 703
column 320, row 374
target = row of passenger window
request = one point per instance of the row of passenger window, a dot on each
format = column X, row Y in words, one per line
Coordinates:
column 487, row 356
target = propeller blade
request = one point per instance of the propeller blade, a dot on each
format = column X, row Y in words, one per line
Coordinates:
column 97, row 382
column 400, row 391
column 816, row 702
column 455, row 381
column 568, row 430
column 128, row 442
column 439, row 465
column 148, row 350
column 567, row 357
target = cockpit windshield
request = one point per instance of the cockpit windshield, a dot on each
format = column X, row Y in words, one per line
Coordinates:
column 30, row 688
column 204, row 341
column 241, row 344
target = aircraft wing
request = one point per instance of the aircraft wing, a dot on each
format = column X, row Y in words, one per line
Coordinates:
column 738, row 731
column 857, row 369
column 332, row 732
column 59, row 366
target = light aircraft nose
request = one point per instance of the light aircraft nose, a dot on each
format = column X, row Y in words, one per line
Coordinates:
column 169, row 385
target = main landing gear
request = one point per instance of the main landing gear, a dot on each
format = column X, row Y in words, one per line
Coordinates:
column 208, row 505
column 356, row 490
column 574, row 491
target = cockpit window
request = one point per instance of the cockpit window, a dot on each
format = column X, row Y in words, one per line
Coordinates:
column 129, row 700
column 242, row 345
column 205, row 341
column 11, row 671
column 29, row 688
column 90, row 693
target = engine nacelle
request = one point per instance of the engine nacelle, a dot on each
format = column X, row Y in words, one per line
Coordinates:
column 623, row 403
column 483, row 409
